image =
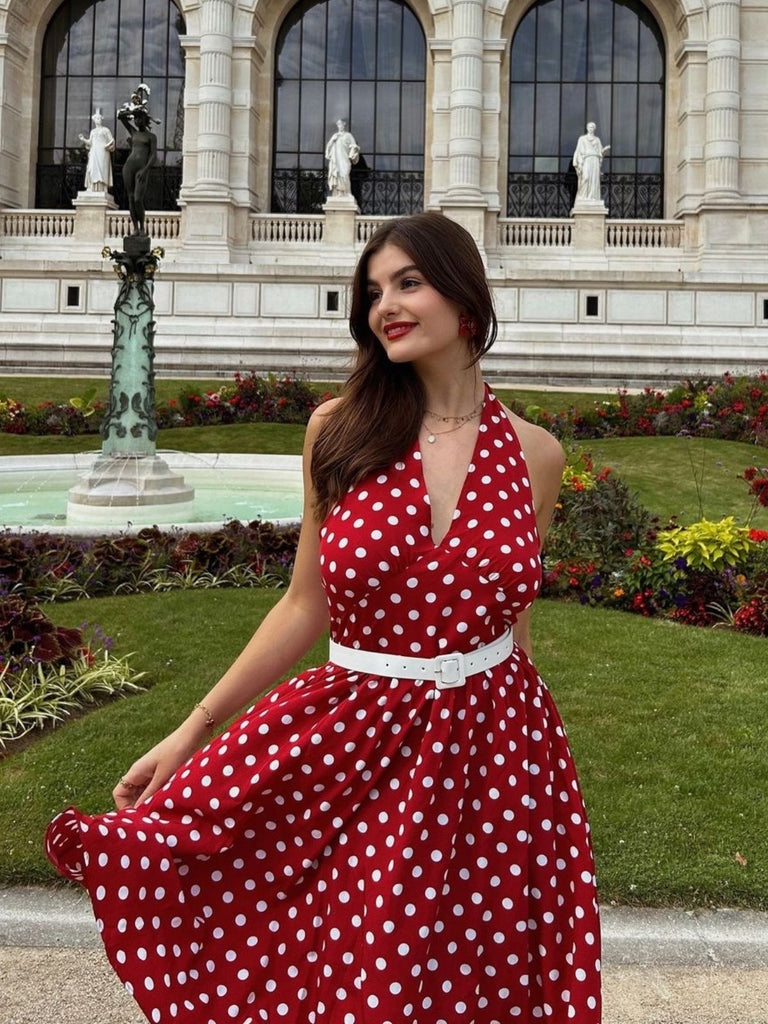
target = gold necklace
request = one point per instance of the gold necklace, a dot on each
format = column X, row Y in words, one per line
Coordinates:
column 432, row 435
column 456, row 419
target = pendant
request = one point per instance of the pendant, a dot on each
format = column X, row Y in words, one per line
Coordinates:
column 431, row 438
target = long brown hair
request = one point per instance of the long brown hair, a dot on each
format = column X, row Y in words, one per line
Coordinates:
column 383, row 403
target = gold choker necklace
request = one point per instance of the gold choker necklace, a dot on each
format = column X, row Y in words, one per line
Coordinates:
column 432, row 435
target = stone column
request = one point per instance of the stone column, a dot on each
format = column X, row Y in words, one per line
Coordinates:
column 207, row 202
column 464, row 199
column 721, row 150
column 215, row 97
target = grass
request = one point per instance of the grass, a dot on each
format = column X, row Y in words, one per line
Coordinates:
column 59, row 390
column 663, row 719
column 692, row 478
column 246, row 438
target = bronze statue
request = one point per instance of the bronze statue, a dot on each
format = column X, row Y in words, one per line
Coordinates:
column 137, row 121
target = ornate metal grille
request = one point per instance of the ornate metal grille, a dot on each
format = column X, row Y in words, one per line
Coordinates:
column 639, row 196
column 94, row 56
column 365, row 62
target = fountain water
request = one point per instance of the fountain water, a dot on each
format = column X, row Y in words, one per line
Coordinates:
column 33, row 492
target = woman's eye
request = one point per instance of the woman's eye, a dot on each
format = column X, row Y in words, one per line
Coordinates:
column 374, row 296
column 409, row 282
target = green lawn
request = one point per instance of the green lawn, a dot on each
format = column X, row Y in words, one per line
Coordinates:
column 59, row 390
column 664, row 721
column 692, row 478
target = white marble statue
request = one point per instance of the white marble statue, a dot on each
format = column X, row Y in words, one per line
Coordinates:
column 587, row 160
column 341, row 152
column 100, row 143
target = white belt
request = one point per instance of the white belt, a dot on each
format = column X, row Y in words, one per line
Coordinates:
column 446, row 670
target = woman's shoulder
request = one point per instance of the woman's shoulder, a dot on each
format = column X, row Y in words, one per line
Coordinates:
column 320, row 415
column 542, row 451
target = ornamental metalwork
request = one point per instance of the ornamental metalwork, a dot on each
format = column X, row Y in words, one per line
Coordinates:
column 636, row 196
column 385, row 193
column 130, row 423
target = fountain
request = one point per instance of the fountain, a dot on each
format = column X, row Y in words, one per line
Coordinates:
column 129, row 471
column 128, row 484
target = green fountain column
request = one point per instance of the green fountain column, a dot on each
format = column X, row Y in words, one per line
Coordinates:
column 129, row 475
column 129, row 427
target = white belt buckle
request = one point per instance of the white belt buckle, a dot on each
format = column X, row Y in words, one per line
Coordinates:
column 449, row 670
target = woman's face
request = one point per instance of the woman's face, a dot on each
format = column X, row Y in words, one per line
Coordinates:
column 413, row 321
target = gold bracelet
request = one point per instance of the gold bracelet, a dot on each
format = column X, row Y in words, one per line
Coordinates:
column 210, row 721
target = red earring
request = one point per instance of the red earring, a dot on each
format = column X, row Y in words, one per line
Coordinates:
column 467, row 327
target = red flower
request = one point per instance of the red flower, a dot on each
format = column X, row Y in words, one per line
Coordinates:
column 759, row 536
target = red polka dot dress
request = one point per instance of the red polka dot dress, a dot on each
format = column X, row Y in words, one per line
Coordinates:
column 358, row 849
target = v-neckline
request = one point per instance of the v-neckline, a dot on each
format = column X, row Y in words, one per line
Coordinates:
column 436, row 544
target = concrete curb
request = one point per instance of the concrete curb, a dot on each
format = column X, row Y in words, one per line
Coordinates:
column 36, row 917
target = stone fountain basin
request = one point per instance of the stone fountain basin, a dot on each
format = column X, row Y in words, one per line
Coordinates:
column 34, row 489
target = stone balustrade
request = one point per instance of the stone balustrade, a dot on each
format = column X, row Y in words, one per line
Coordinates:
column 534, row 232
column 287, row 228
column 310, row 229
column 37, row 223
column 619, row 234
column 162, row 227
column 647, row 234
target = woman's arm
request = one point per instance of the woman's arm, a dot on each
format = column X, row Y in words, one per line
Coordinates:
column 284, row 636
column 545, row 459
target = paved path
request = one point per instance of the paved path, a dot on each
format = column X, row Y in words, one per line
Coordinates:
column 661, row 967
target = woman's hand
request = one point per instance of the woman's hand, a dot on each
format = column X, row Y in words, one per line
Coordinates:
column 153, row 770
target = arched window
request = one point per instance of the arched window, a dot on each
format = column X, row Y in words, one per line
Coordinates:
column 363, row 61
column 574, row 61
column 94, row 56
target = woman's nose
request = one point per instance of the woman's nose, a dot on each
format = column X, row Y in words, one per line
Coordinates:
column 388, row 302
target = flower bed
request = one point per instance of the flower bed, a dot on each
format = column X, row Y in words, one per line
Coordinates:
column 249, row 398
column 52, row 568
column 604, row 548
column 731, row 409
column 48, row 672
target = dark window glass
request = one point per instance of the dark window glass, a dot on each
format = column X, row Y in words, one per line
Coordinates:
column 364, row 40
column 94, row 55
column 625, row 44
column 368, row 69
column 548, row 41
column 575, row 36
column 522, row 60
column 600, row 39
column 339, row 50
column 575, row 61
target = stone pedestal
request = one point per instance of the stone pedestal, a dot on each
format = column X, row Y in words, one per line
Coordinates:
column 471, row 213
column 340, row 213
column 139, row 483
column 589, row 225
column 91, row 209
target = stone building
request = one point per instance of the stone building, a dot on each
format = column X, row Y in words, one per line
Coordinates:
column 471, row 107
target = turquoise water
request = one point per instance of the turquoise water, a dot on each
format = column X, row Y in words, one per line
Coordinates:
column 38, row 500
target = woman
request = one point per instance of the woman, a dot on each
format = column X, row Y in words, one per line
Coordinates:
column 396, row 836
